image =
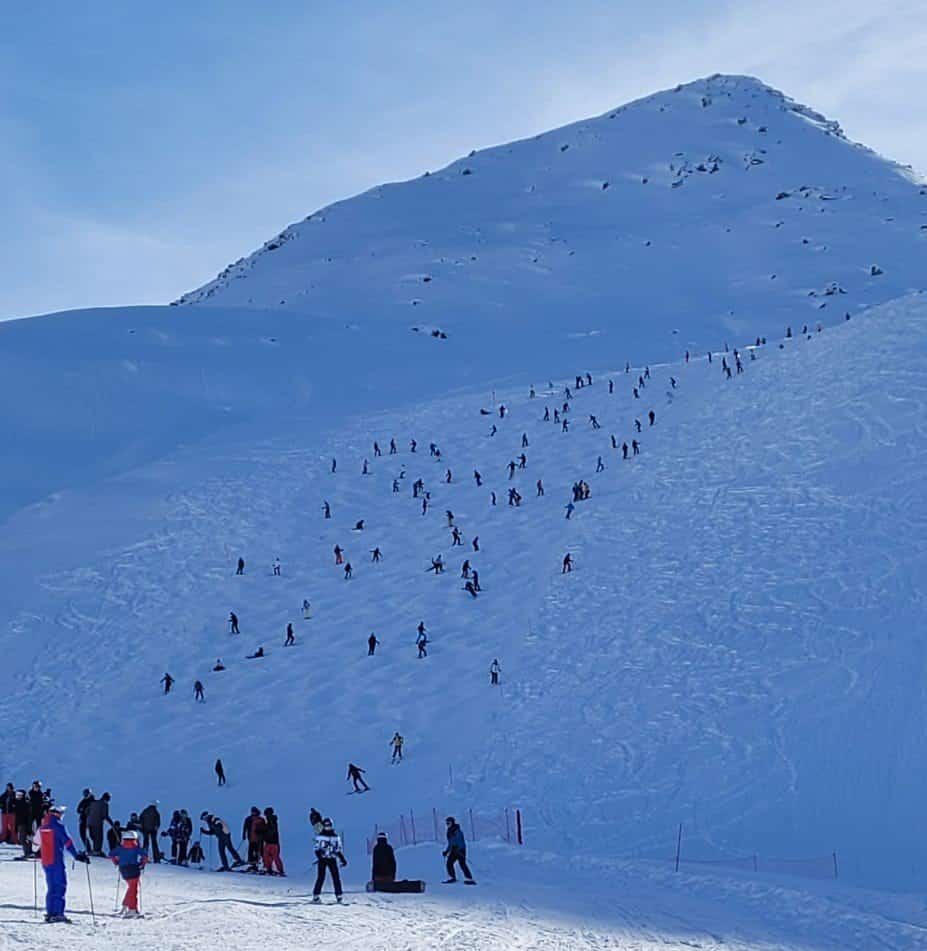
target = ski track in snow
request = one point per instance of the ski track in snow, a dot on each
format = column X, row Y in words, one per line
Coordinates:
column 762, row 553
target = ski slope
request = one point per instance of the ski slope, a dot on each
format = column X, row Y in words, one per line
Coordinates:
column 737, row 650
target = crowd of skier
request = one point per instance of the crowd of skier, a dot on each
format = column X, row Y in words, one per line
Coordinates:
column 33, row 823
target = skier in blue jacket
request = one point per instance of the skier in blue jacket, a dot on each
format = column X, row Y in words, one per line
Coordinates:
column 456, row 852
column 55, row 840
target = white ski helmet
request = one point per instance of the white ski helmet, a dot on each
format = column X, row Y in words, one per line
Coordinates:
column 131, row 835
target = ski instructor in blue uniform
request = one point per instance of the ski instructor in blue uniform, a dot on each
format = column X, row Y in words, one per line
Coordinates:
column 55, row 839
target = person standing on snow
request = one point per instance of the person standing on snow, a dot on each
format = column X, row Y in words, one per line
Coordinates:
column 253, row 833
column 97, row 814
column 218, row 827
column 151, row 824
column 130, row 860
column 240, row 570
column 494, row 671
column 54, row 840
column 372, row 644
column 273, row 865
column 233, row 623
column 328, row 852
column 168, row 682
column 198, row 694
column 82, row 808
column 567, row 564
column 290, row 636
column 220, row 773
column 383, row 870
column 456, row 852
column 396, row 744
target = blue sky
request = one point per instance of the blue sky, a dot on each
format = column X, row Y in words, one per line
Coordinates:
column 144, row 146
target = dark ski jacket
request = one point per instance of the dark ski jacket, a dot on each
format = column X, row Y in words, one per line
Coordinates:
column 83, row 806
column 384, row 861
column 271, row 830
column 150, row 819
column 455, row 840
column 98, row 813
column 23, row 812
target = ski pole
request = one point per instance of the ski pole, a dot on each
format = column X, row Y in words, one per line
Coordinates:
column 116, row 896
column 139, row 892
column 35, row 889
column 93, row 916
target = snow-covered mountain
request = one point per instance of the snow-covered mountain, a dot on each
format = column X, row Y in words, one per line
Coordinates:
column 717, row 209
column 738, row 649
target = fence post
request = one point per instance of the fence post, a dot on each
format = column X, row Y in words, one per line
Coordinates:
column 450, row 775
column 518, row 827
column 835, row 865
column 755, row 863
column 434, row 816
column 472, row 827
column 402, row 829
column 678, row 846
column 412, row 823
column 508, row 834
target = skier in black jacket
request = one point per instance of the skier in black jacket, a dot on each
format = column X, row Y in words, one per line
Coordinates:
column 82, row 808
column 150, row 821
column 273, row 865
column 97, row 814
column 22, row 817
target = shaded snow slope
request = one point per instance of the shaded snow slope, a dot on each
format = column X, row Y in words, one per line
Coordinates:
column 738, row 648
column 718, row 209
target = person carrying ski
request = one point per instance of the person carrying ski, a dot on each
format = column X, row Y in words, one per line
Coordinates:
column 54, row 841
column 328, row 853
column 355, row 774
column 456, row 852
column 130, row 860
column 198, row 693
column 273, row 864
column 233, row 623
column 241, row 567
column 219, row 828
column 372, row 644
column 151, row 824
column 220, row 774
column 290, row 636
column 168, row 682
column 396, row 744
column 494, row 671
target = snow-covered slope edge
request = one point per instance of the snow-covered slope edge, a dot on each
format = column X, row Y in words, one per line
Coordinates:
column 704, row 210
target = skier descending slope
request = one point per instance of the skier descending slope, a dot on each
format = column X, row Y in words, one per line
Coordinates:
column 130, row 859
column 328, row 853
column 54, row 839
column 456, row 852
column 355, row 774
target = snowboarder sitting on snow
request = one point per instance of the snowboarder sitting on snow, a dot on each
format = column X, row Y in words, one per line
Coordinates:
column 468, row 587
column 384, row 862
column 328, row 852
column 456, row 852
column 131, row 859
column 258, row 653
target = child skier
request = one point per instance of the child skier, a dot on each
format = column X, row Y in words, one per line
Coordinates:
column 130, row 859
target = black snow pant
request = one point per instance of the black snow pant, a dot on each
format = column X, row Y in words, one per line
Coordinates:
column 96, row 836
column 24, row 837
column 331, row 865
column 152, row 839
column 225, row 845
column 255, row 850
column 460, row 857
column 181, row 846
column 85, row 839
